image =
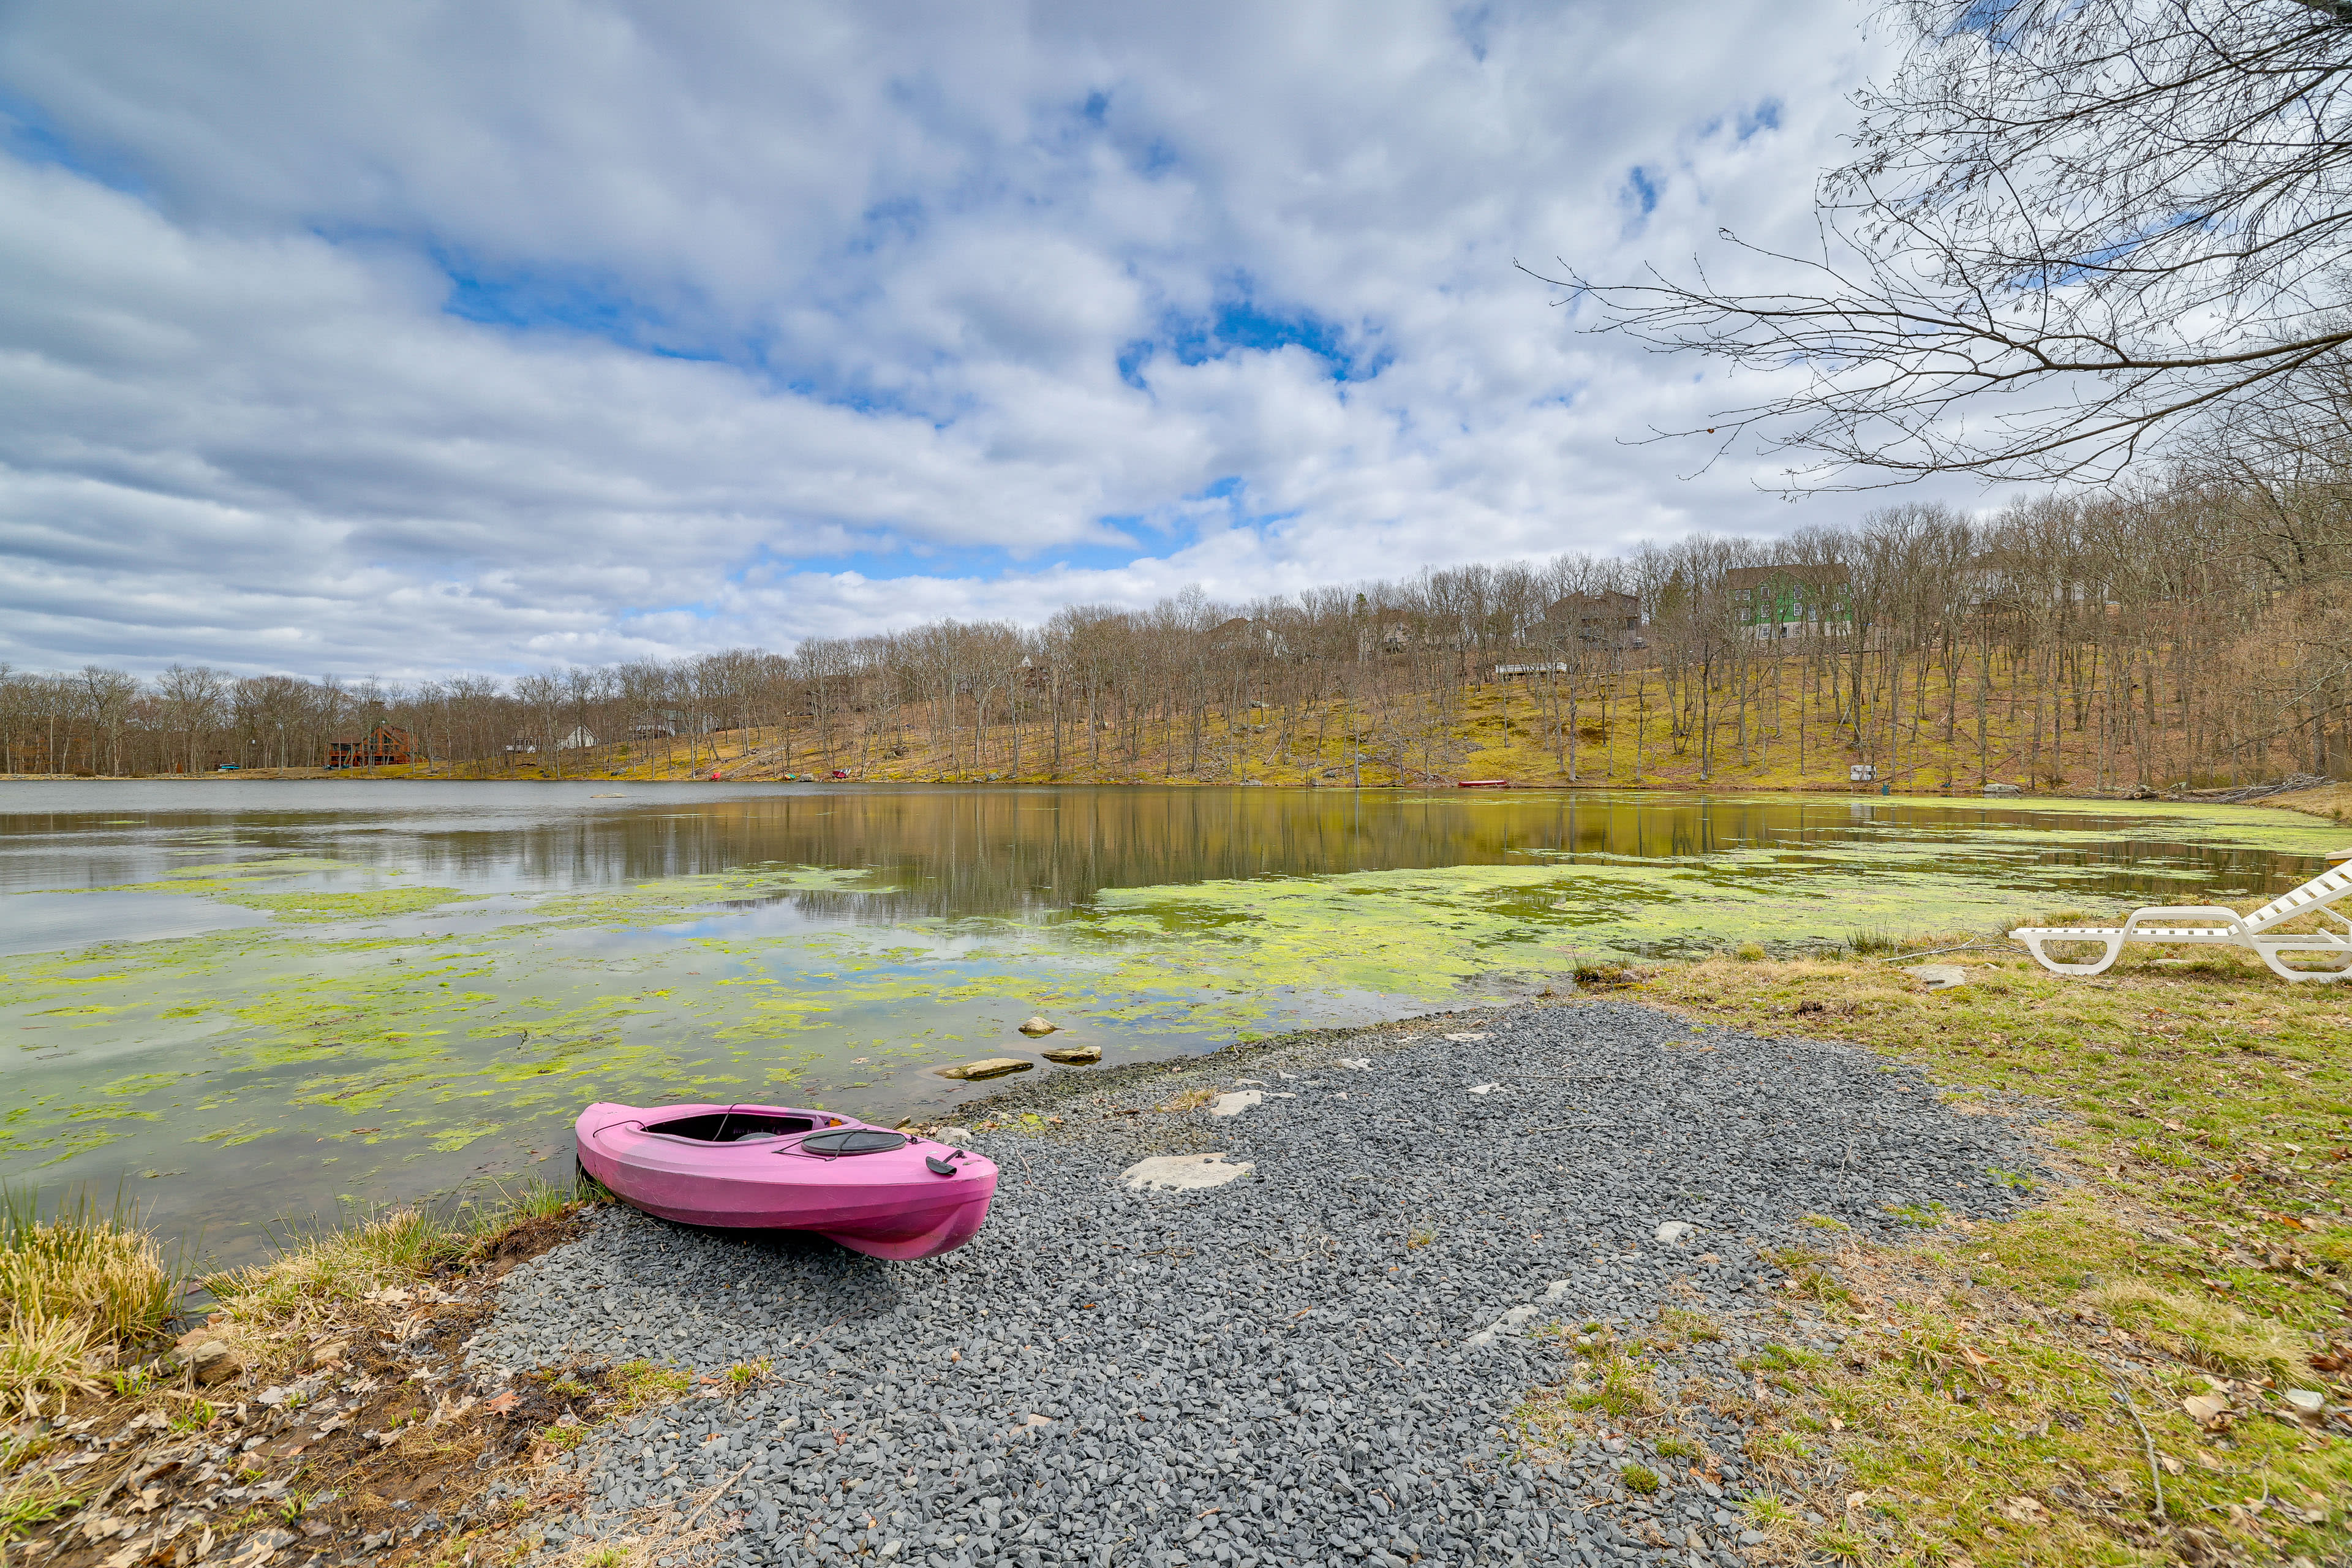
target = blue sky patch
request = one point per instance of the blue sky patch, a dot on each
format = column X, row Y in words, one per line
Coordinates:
column 570, row 301
column 1642, row 189
column 1998, row 22
column 1765, row 116
column 1240, row 324
column 33, row 137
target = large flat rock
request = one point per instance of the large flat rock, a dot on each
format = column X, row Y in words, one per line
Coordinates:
column 994, row 1066
column 1184, row 1173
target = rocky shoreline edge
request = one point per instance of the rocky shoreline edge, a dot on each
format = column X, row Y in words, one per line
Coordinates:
column 1494, row 1285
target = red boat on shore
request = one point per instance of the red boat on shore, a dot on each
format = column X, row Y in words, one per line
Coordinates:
column 1482, row 784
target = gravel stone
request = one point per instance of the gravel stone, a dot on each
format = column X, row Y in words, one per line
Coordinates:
column 1313, row 1362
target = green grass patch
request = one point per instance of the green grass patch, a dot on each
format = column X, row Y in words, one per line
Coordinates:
column 2001, row 1386
column 641, row 1384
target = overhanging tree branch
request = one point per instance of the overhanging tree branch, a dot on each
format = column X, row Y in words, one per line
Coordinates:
column 2072, row 231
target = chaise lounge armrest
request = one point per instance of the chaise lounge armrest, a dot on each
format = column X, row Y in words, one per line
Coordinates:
column 2179, row 911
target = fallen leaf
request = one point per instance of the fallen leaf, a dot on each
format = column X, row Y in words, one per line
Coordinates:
column 1856, row 1499
column 2023, row 1510
column 502, row 1403
column 1973, row 1359
column 2204, row 1408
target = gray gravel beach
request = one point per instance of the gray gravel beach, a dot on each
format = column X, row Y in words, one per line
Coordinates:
column 1313, row 1363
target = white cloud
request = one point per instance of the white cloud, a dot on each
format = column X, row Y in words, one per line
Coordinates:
column 351, row 337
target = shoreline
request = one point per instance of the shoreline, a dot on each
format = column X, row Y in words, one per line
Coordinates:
column 1825, row 1363
column 1279, row 1352
column 2330, row 802
column 468, row 1336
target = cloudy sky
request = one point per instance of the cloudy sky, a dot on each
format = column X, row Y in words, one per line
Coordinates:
column 406, row 339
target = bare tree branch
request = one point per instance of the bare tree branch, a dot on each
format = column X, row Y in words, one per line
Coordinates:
column 2072, row 231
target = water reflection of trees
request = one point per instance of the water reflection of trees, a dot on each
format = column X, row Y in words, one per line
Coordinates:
column 966, row 852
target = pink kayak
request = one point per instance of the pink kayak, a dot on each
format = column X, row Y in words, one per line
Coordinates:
column 770, row 1167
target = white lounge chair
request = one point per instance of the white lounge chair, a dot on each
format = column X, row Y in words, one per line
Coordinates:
column 2317, row 896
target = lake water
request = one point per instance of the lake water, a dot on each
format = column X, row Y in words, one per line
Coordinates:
column 248, row 1002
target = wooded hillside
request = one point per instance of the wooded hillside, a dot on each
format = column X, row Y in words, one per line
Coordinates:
column 2192, row 635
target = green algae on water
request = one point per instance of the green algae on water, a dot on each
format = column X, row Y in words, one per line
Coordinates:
column 378, row 904
column 419, row 1059
column 662, row 901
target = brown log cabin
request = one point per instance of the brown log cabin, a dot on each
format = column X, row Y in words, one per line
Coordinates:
column 381, row 747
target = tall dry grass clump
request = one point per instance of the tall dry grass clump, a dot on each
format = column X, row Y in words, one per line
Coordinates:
column 318, row 1270
column 334, row 1266
column 76, row 1290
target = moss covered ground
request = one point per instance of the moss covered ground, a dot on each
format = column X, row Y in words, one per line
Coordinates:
column 2112, row 1376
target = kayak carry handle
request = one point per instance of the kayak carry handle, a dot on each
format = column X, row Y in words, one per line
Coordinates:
column 939, row 1167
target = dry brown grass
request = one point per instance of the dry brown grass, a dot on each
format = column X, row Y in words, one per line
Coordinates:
column 350, row 1306
column 2333, row 801
column 76, row 1291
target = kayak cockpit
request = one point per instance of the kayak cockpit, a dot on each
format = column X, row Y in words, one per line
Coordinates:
column 737, row 1126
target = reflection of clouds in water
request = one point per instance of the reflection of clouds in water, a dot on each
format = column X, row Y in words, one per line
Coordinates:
column 786, row 915
column 56, row 923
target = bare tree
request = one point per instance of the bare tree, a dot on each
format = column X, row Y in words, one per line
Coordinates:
column 107, row 695
column 2071, row 229
column 543, row 698
column 193, row 699
column 17, row 711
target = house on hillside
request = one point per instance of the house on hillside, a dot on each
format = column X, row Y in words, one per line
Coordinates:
column 527, row 745
column 1608, row 619
column 1787, row 601
column 381, row 747
column 2003, row 581
column 667, row 723
column 1245, row 634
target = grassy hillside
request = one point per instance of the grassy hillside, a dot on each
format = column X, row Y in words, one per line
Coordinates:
column 1953, row 738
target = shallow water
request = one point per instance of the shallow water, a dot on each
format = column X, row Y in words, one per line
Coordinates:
column 248, row 1000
